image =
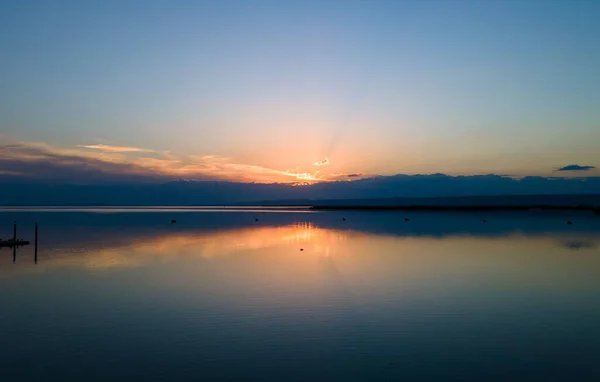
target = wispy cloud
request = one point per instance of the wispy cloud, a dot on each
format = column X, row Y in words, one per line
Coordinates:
column 41, row 161
column 90, row 163
column 576, row 167
column 347, row 177
column 114, row 149
column 324, row 162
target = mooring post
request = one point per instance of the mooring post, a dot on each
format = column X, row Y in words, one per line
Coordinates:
column 15, row 232
column 14, row 254
column 36, row 242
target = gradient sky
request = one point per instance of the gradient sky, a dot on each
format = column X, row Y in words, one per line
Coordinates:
column 266, row 90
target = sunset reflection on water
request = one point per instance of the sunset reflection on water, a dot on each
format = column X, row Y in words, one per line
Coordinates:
column 172, row 246
column 314, row 293
column 294, row 246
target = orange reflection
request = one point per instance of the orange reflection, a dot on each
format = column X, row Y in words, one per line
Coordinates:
column 329, row 254
column 132, row 252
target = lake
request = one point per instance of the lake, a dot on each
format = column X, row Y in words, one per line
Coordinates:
column 252, row 294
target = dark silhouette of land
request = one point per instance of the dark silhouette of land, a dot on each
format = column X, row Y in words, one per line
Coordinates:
column 468, row 203
column 455, row 208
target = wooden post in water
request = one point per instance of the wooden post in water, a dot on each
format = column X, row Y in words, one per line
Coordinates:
column 36, row 242
column 14, row 242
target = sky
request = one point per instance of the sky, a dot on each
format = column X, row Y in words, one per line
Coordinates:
column 295, row 91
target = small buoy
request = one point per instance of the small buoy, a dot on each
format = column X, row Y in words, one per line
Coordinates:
column 569, row 222
column 255, row 219
column 485, row 221
column 302, row 249
column 344, row 219
column 173, row 221
column 406, row 219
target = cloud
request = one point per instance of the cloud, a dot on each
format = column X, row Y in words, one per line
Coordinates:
column 114, row 149
column 41, row 162
column 324, row 162
column 100, row 163
column 576, row 167
column 345, row 177
column 102, row 185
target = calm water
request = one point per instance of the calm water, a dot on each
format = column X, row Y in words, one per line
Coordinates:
column 300, row 296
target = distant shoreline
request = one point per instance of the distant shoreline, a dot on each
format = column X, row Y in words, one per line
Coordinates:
column 326, row 207
column 322, row 207
column 454, row 208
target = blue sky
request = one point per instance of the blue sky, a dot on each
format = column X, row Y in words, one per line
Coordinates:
column 262, row 90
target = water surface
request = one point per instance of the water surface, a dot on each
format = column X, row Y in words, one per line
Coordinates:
column 300, row 296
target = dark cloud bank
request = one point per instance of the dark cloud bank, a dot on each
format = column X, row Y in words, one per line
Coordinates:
column 37, row 176
column 15, row 190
